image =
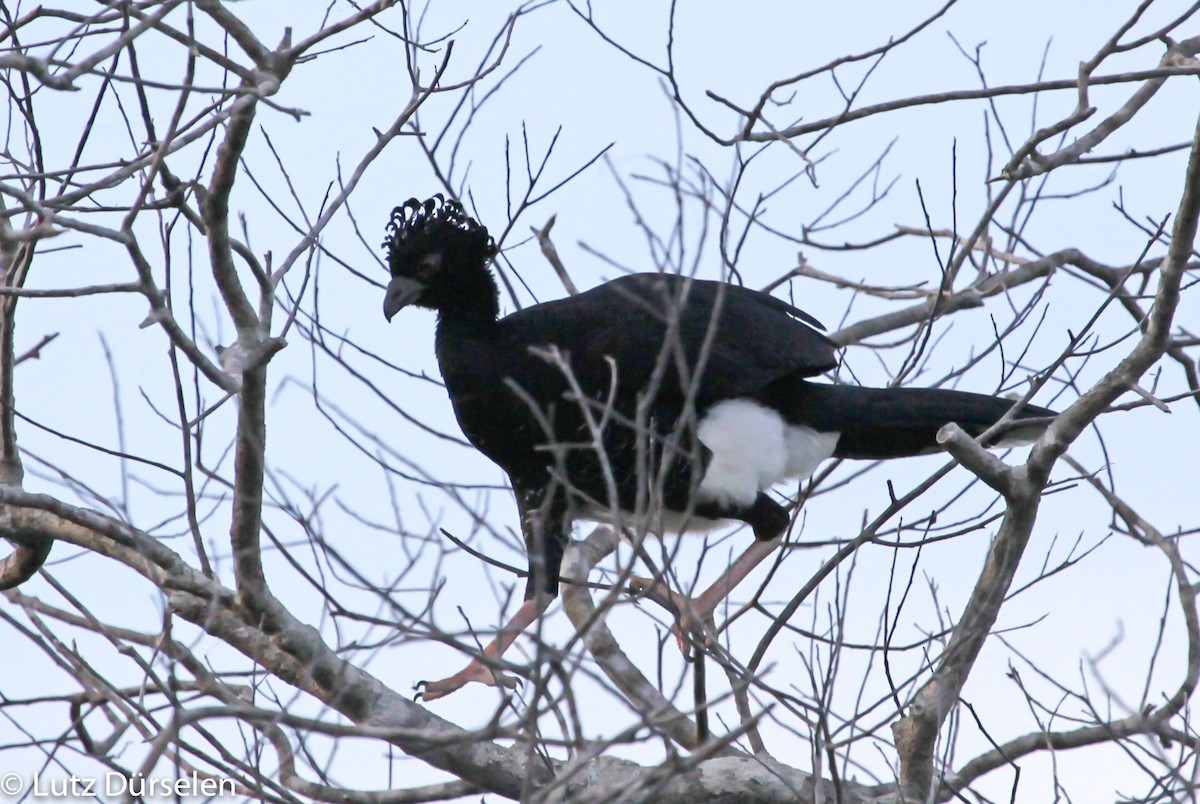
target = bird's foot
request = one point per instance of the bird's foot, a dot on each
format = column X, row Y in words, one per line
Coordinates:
column 476, row 671
column 694, row 627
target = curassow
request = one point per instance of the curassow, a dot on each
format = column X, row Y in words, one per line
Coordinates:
column 683, row 398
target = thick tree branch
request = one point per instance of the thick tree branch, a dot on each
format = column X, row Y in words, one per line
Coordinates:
column 295, row 653
column 916, row 733
column 30, row 551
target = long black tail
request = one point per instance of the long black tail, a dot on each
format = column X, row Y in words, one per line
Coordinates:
column 878, row 423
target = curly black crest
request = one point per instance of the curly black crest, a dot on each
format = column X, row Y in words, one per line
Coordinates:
column 420, row 227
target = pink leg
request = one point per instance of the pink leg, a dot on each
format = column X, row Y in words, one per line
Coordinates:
column 707, row 603
column 478, row 669
column 694, row 613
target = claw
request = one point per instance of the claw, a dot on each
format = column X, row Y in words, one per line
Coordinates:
column 694, row 627
column 476, row 672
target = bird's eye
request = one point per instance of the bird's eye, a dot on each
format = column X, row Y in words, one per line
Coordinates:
column 428, row 266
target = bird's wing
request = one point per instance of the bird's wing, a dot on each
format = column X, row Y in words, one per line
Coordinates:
column 739, row 339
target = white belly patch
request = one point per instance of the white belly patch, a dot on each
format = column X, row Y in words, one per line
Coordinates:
column 753, row 448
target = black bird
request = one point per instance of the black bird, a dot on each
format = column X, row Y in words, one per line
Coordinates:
column 680, row 399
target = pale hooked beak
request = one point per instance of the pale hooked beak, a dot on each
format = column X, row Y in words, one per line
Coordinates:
column 401, row 292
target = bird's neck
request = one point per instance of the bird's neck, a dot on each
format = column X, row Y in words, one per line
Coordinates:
column 459, row 323
column 473, row 301
column 465, row 342
column 471, row 312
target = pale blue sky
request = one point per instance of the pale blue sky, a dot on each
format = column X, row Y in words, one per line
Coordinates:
column 598, row 97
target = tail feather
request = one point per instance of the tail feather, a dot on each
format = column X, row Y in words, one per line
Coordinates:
column 878, row 423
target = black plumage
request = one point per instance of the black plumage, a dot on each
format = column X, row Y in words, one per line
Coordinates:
column 600, row 401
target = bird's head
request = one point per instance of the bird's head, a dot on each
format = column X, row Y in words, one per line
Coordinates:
column 438, row 256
